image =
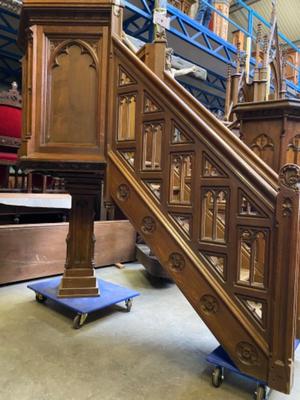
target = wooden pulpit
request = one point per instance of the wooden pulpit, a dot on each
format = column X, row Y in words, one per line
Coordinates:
column 272, row 130
column 65, row 85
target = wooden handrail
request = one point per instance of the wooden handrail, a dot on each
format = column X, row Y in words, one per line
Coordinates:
column 261, row 183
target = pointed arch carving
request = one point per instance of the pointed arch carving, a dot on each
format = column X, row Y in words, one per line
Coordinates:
column 73, row 81
column 64, row 48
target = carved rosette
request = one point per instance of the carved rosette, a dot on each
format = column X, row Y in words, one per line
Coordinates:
column 290, row 176
column 123, row 192
column 287, row 207
column 209, row 304
column 247, row 353
column 176, row 262
column 148, row 225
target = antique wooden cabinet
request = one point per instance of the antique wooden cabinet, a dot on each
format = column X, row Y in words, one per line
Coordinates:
column 272, row 130
column 65, row 81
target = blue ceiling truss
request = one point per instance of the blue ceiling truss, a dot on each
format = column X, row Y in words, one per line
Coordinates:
column 213, row 102
column 10, row 55
column 138, row 22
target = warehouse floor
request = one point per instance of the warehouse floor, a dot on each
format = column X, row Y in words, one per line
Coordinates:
column 157, row 351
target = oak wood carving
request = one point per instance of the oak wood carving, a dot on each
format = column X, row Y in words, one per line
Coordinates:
column 65, row 71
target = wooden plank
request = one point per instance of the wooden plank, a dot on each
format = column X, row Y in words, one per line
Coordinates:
column 39, row 250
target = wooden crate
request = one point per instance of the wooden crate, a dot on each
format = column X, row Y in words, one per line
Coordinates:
column 38, row 250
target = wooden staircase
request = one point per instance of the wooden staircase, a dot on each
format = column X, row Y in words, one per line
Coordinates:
column 220, row 221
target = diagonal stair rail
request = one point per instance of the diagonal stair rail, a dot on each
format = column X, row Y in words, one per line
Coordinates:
column 176, row 172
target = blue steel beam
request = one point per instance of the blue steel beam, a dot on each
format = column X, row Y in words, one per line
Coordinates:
column 188, row 30
column 211, row 101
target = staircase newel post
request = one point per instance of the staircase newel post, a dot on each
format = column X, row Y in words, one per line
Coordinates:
column 284, row 280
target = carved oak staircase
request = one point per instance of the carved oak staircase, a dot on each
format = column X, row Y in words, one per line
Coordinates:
column 219, row 220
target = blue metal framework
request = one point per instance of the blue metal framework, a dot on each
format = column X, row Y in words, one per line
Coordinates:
column 139, row 24
column 212, row 101
column 10, row 68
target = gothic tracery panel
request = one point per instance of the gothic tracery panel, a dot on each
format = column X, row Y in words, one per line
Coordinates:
column 214, row 211
column 178, row 136
column 155, row 187
column 181, row 178
column 129, row 156
column 247, row 207
column 211, row 169
column 72, row 104
column 293, row 150
column 150, row 106
column 152, row 142
column 125, row 78
column 252, row 257
column 126, row 117
column 217, row 262
column 184, row 221
column 263, row 146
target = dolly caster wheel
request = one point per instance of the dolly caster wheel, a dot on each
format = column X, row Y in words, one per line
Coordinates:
column 217, row 377
column 79, row 320
column 260, row 393
column 128, row 304
column 40, row 298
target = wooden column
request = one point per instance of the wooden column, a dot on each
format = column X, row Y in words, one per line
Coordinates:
column 78, row 278
column 285, row 288
column 220, row 24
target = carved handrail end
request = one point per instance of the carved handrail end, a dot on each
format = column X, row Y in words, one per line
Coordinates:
column 289, row 176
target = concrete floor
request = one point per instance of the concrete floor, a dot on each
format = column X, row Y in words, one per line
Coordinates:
column 156, row 352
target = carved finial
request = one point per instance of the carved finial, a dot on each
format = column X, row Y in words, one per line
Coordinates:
column 273, row 14
column 289, row 176
column 228, row 72
column 265, row 50
column 238, row 57
column 259, row 33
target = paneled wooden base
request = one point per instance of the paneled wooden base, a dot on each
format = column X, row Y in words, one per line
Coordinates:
column 78, row 283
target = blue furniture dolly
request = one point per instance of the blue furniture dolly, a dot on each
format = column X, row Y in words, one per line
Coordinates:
column 110, row 294
column 220, row 359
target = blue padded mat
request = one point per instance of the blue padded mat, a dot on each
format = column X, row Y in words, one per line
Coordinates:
column 109, row 294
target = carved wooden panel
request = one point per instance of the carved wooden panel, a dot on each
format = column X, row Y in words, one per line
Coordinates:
column 293, row 150
column 72, row 91
column 152, row 142
column 214, row 214
column 252, row 257
column 180, row 178
column 126, row 117
column 263, row 146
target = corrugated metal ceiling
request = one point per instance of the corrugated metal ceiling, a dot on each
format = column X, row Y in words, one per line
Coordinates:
column 288, row 13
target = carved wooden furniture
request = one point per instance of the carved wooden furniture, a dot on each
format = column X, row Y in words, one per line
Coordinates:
column 40, row 248
column 212, row 214
column 221, row 222
column 272, row 130
column 65, row 87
